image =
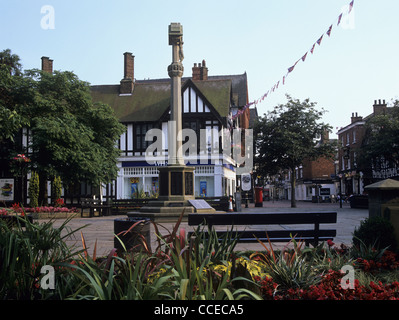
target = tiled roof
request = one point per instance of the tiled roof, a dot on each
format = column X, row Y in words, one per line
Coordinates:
column 151, row 98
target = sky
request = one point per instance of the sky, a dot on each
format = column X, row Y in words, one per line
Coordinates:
column 350, row 69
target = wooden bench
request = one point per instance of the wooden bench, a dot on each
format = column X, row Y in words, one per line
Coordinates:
column 94, row 204
column 120, row 206
column 312, row 236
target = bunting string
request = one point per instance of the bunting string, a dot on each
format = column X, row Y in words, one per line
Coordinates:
column 290, row 69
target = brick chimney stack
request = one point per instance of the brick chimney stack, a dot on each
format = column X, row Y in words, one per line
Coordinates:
column 204, row 71
column 200, row 72
column 379, row 108
column 196, row 72
column 127, row 83
column 47, row 65
column 356, row 118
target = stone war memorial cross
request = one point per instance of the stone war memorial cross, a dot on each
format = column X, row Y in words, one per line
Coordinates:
column 176, row 180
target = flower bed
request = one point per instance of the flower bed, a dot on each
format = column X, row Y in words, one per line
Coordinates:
column 39, row 212
column 330, row 289
column 206, row 268
column 376, row 278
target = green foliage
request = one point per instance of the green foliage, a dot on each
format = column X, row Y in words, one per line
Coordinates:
column 33, row 190
column 180, row 268
column 376, row 232
column 71, row 136
column 56, row 188
column 381, row 140
column 24, row 251
column 11, row 61
column 74, row 138
column 13, row 97
column 292, row 268
column 287, row 136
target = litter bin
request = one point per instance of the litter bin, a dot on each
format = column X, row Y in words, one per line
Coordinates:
column 134, row 238
column 258, row 197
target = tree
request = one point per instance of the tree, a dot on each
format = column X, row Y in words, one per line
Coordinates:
column 11, row 61
column 33, row 189
column 56, row 188
column 380, row 146
column 288, row 135
column 12, row 98
column 71, row 137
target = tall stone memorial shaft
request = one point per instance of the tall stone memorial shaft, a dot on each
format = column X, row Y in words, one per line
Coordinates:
column 176, row 180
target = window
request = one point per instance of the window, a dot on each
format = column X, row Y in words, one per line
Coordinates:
column 140, row 132
column 347, row 139
column 354, row 136
column 354, row 159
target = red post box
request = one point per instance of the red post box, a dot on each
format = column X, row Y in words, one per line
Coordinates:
column 258, row 197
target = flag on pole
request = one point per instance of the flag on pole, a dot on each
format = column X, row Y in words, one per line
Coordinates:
column 304, row 56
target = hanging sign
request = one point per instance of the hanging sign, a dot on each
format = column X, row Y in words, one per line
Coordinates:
column 6, row 189
column 246, row 182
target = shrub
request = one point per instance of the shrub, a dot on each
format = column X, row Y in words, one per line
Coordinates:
column 377, row 232
column 24, row 251
column 57, row 188
column 33, row 190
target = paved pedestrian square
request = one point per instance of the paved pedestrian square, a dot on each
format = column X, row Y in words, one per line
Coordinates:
column 101, row 229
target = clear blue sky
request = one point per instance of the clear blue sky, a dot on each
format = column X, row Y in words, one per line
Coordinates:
column 346, row 73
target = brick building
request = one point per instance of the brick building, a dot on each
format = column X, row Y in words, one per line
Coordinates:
column 315, row 178
column 351, row 178
column 208, row 104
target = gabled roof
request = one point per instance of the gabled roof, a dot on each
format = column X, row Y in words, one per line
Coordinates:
column 239, row 86
column 218, row 93
column 148, row 101
column 151, row 98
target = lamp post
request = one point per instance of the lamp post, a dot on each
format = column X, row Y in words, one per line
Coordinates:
column 340, row 190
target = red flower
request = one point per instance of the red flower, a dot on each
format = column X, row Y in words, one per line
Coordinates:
column 330, row 243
